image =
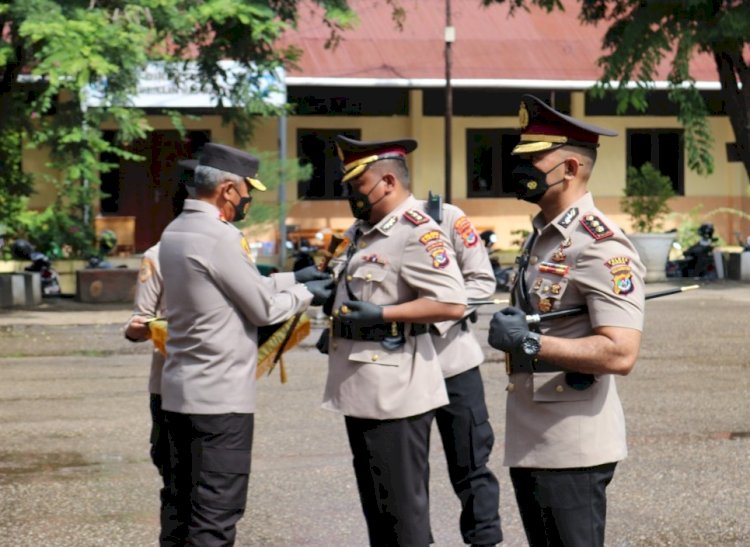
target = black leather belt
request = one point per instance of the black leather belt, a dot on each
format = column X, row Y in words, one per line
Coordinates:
column 376, row 333
column 519, row 362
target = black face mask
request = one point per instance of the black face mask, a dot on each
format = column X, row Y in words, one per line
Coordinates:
column 240, row 210
column 530, row 183
column 360, row 204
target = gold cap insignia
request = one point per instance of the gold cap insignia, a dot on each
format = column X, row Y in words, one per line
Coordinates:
column 523, row 116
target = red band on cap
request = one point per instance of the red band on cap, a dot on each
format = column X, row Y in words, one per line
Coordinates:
column 570, row 131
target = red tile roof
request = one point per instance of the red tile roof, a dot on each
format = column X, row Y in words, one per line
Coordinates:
column 489, row 44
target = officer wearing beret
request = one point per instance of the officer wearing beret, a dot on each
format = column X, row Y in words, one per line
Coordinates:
column 217, row 299
column 464, row 423
column 565, row 429
column 399, row 276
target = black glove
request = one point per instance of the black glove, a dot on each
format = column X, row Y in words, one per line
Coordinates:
column 508, row 328
column 310, row 273
column 361, row 314
column 322, row 289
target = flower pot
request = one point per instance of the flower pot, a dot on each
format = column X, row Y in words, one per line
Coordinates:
column 654, row 252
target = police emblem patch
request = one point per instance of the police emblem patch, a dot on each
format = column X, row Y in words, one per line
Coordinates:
column 465, row 229
column 622, row 274
column 146, row 270
column 440, row 258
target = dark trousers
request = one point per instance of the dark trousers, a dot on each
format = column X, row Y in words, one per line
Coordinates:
column 160, row 446
column 392, row 470
column 563, row 507
column 468, row 438
column 209, row 471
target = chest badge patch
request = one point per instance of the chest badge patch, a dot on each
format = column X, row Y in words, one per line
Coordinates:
column 594, row 226
column 622, row 274
column 415, row 217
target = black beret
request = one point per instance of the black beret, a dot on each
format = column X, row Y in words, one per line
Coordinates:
column 232, row 160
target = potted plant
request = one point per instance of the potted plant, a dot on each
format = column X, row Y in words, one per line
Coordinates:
column 647, row 192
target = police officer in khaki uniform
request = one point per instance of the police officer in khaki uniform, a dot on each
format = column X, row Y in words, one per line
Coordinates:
column 217, row 299
column 398, row 277
column 464, row 423
column 565, row 429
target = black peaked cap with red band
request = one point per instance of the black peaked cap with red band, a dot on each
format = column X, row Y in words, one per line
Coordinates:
column 544, row 128
column 356, row 155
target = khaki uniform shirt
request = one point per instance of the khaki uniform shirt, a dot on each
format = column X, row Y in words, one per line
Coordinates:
column 402, row 258
column 149, row 303
column 580, row 258
column 217, row 299
column 458, row 348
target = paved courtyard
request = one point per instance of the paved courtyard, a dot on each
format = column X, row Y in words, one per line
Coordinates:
column 74, row 423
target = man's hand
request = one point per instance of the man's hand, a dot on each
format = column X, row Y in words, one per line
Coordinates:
column 321, row 289
column 137, row 329
column 310, row 273
column 508, row 328
column 361, row 314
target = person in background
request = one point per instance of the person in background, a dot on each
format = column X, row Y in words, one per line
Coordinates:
column 565, row 428
column 463, row 423
column 149, row 304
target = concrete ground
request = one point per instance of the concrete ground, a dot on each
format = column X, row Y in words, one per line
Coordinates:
column 74, row 424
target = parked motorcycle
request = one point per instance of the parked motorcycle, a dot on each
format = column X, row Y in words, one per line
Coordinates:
column 502, row 274
column 698, row 259
column 40, row 262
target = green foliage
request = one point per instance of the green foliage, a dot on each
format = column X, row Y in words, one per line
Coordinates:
column 264, row 213
column 520, row 237
column 646, row 194
column 642, row 36
column 68, row 49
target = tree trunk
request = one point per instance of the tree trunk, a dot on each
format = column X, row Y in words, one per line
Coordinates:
column 731, row 67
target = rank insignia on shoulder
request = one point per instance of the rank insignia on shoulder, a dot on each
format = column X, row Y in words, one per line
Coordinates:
column 622, row 274
column 415, row 217
column 569, row 216
column 594, row 226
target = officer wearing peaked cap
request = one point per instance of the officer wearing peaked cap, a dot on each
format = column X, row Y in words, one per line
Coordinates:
column 565, row 429
column 216, row 299
column 398, row 277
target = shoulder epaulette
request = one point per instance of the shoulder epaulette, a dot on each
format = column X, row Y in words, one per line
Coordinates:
column 416, row 217
column 594, row 226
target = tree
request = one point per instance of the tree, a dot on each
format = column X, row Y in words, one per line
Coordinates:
column 641, row 34
column 53, row 52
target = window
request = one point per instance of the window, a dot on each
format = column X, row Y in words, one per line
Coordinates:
column 317, row 147
column 488, row 162
column 663, row 148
